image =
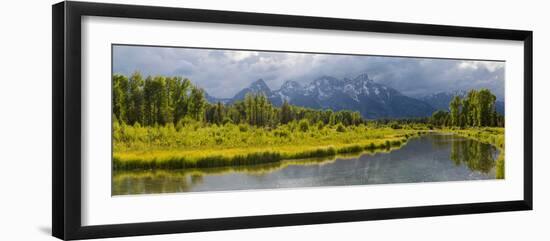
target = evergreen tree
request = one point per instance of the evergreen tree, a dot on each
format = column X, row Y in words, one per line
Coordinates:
column 286, row 115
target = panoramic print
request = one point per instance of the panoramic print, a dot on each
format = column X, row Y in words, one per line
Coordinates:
column 197, row 119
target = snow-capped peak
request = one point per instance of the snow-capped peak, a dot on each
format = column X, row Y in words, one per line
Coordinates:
column 324, row 87
column 289, row 89
column 291, row 85
column 362, row 78
column 259, row 85
column 372, row 99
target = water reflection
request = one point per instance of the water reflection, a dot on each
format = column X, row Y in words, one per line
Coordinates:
column 475, row 155
column 163, row 181
column 429, row 158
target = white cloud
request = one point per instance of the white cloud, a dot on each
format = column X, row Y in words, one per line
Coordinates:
column 492, row 66
column 468, row 65
column 239, row 55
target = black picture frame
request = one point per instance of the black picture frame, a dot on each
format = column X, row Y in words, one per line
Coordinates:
column 66, row 127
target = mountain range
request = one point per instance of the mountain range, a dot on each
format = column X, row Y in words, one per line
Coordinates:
column 373, row 100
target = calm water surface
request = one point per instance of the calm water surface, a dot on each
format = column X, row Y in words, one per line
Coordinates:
column 430, row 158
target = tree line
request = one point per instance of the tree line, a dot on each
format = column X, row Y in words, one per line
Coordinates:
column 476, row 109
column 160, row 100
column 156, row 100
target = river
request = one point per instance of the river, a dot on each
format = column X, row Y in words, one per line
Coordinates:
column 429, row 158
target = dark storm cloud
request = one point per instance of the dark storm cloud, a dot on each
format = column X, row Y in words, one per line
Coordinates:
column 223, row 73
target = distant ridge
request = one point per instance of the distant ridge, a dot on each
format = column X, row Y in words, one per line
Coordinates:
column 362, row 94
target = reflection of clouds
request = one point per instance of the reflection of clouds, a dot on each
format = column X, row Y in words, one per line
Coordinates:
column 223, row 72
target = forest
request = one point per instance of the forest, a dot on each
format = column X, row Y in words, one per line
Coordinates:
column 162, row 122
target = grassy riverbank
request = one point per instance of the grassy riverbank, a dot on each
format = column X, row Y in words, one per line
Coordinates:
column 199, row 146
column 489, row 135
column 259, row 169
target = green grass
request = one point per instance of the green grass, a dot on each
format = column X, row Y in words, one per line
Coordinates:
column 206, row 146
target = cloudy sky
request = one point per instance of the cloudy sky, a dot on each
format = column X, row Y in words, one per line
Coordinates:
column 222, row 73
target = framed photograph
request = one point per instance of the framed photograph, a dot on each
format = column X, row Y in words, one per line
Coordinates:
column 169, row 120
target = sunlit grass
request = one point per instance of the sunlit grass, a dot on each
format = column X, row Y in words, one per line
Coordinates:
column 201, row 146
column 248, row 169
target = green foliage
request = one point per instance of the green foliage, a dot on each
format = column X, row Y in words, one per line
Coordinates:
column 477, row 109
column 243, row 128
column 197, row 104
column 286, row 115
column 395, row 125
column 440, row 118
column 192, row 143
column 135, row 99
column 455, row 107
column 320, row 125
column 120, row 97
column 304, row 125
column 155, row 100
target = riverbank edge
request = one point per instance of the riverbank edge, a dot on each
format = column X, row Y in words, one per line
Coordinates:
column 255, row 158
column 254, row 169
column 487, row 137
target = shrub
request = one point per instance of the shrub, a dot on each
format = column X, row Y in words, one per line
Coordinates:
column 396, row 143
column 304, row 125
column 179, row 125
column 320, row 125
column 227, row 120
column 396, row 126
column 340, row 128
column 243, row 128
column 281, row 133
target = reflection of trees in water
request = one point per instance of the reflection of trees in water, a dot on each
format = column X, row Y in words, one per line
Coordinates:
column 196, row 178
column 441, row 140
column 143, row 182
column 475, row 155
column 171, row 181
